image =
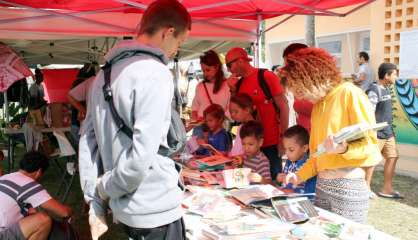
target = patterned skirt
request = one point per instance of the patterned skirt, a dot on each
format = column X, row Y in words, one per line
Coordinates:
column 346, row 197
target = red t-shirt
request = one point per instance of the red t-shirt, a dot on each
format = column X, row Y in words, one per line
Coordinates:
column 303, row 109
column 265, row 108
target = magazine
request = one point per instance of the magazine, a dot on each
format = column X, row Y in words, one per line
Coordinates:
column 247, row 227
column 350, row 134
column 236, row 178
column 255, row 193
column 294, row 210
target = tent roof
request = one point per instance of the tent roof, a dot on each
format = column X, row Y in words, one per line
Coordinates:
column 30, row 26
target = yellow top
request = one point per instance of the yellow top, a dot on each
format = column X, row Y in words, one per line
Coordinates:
column 345, row 105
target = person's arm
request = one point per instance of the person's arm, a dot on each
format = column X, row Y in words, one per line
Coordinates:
column 76, row 104
column 360, row 76
column 281, row 102
column 360, row 111
column 56, row 208
column 152, row 101
column 196, row 103
column 307, row 171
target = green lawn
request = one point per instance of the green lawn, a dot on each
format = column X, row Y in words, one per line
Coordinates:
column 396, row 217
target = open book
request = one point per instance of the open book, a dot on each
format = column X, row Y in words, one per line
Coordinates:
column 294, row 210
column 351, row 133
column 255, row 193
column 246, row 228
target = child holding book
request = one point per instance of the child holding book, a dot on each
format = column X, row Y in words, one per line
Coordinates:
column 251, row 134
column 218, row 138
column 296, row 145
column 241, row 108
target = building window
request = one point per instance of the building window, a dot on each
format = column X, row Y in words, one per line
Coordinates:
column 334, row 48
column 364, row 40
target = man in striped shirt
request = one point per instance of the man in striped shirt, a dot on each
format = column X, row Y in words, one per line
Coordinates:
column 21, row 194
column 251, row 134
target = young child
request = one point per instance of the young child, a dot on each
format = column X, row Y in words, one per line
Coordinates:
column 296, row 145
column 217, row 137
column 241, row 108
column 251, row 134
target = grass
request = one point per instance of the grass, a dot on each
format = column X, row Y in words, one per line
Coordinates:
column 395, row 217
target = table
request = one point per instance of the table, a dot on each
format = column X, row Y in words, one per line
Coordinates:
column 15, row 131
column 194, row 227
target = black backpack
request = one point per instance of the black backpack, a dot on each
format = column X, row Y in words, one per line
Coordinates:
column 264, row 86
column 176, row 136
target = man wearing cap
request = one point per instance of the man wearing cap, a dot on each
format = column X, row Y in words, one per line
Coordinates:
column 238, row 63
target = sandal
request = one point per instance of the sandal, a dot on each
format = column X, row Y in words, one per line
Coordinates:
column 393, row 195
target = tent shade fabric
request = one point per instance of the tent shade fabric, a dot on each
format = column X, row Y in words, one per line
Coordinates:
column 235, row 21
column 57, row 83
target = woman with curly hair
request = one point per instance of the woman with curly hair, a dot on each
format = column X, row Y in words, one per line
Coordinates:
column 341, row 187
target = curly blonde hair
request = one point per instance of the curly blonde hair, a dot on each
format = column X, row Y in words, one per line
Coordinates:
column 311, row 70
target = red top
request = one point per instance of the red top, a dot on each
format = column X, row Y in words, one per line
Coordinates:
column 303, row 110
column 265, row 108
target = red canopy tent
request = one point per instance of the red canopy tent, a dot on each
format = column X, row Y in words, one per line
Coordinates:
column 236, row 20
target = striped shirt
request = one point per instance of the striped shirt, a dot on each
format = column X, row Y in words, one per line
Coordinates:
column 23, row 187
column 259, row 164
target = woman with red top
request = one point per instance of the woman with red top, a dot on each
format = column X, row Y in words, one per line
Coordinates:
column 302, row 107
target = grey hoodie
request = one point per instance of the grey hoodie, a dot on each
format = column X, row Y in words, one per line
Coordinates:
column 141, row 184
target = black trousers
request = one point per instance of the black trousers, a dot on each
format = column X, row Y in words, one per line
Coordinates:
column 172, row 231
column 272, row 154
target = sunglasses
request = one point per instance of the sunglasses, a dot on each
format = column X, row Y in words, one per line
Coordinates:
column 228, row 64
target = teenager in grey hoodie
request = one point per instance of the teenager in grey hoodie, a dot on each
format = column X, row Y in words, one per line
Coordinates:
column 139, row 185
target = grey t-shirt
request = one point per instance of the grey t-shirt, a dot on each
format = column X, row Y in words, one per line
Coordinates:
column 365, row 69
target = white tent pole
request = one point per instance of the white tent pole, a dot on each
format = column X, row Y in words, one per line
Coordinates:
column 133, row 4
column 280, row 22
column 258, row 41
column 6, row 107
column 90, row 21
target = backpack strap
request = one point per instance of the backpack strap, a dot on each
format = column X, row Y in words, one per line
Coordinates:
column 6, row 187
column 238, row 85
column 266, row 89
column 107, row 91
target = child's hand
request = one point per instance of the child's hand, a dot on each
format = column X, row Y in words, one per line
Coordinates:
column 281, row 177
column 292, row 178
column 332, row 147
column 201, row 141
column 236, row 161
column 255, row 177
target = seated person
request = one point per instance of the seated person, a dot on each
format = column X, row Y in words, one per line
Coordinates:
column 18, row 218
column 296, row 145
column 217, row 136
column 251, row 134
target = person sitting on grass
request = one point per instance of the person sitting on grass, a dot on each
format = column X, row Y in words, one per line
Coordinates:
column 21, row 194
column 296, row 145
column 251, row 134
